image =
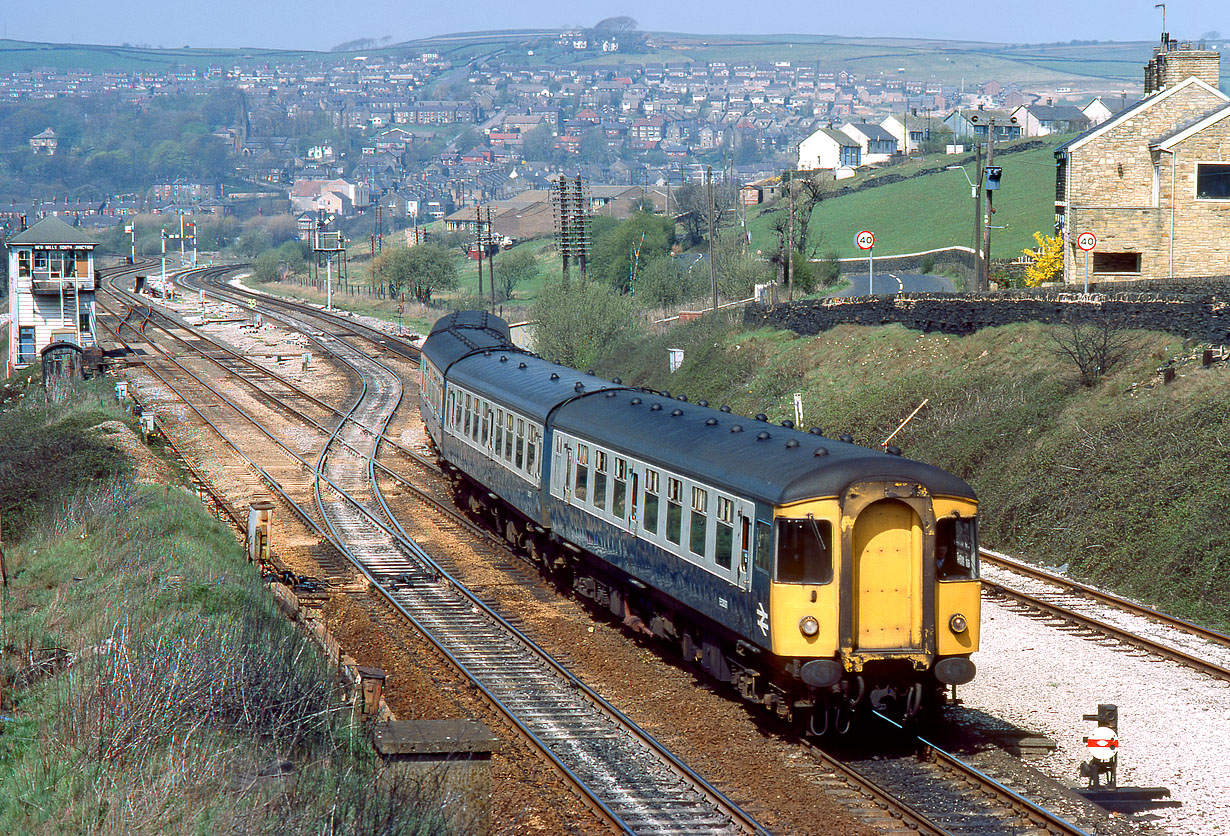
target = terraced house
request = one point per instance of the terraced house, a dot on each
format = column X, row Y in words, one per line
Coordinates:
column 1152, row 183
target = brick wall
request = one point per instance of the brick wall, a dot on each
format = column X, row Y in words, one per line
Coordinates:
column 1199, row 310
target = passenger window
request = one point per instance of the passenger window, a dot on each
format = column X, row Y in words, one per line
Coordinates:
column 698, row 525
column 477, row 413
column 650, row 515
column 499, row 431
column 724, row 535
column 520, row 442
column 956, row 549
column 465, row 430
column 508, row 437
column 674, row 510
column 600, row 479
column 581, row 486
column 804, row 551
column 764, row 546
column 531, row 447
column 619, row 500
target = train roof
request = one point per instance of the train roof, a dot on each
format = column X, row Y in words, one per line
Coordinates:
column 524, row 382
column 775, row 464
column 756, row 459
column 464, row 332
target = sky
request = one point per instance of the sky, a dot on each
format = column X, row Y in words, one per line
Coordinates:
column 318, row 25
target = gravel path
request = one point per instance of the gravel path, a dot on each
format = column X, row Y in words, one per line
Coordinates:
column 1174, row 723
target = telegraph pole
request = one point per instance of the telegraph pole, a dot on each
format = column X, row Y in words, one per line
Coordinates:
column 478, row 244
column 790, row 242
column 491, row 259
column 712, row 242
column 978, row 263
column 985, row 281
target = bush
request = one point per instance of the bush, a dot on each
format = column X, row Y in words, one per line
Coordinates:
column 575, row 321
column 927, row 264
column 828, row 269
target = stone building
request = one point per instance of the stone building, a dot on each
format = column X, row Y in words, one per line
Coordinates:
column 1152, row 183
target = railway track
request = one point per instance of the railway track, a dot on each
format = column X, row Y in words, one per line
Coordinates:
column 1102, row 614
column 623, row 774
column 929, row 812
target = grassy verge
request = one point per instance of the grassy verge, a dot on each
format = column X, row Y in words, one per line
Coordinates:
column 149, row 684
column 1126, row 482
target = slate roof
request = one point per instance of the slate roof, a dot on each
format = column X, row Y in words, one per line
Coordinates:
column 52, row 230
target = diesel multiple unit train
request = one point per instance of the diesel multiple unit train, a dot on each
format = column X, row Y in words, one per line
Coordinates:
column 814, row 575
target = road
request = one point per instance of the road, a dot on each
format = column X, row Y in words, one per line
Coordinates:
column 892, row 282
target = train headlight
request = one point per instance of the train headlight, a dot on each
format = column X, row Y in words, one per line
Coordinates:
column 808, row 626
column 957, row 623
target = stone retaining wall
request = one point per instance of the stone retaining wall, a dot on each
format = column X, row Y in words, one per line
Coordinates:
column 1199, row 310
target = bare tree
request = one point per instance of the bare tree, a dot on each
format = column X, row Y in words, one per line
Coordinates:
column 1094, row 348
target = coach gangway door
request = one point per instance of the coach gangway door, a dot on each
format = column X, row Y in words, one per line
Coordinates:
column 885, row 613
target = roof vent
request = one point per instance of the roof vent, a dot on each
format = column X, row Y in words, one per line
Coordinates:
column 760, row 416
column 617, row 381
column 675, row 413
column 589, row 372
column 794, row 442
column 736, row 428
column 610, row 393
column 788, row 424
column 555, row 375
column 762, row 436
column 846, row 437
column 522, row 366
column 635, row 401
column 665, row 394
column 655, row 407
column 487, row 353
column 821, row 451
column 711, row 422
column 723, row 408
column 816, row 431
column 503, row 358
column 683, row 398
column 578, row 387
column 893, row 450
column 702, row 403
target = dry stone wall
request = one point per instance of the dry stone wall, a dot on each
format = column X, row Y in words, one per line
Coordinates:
column 1199, row 310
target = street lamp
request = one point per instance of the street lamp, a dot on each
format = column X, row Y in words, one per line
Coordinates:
column 976, row 195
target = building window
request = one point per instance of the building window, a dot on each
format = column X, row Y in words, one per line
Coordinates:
column 1116, row 262
column 1213, row 181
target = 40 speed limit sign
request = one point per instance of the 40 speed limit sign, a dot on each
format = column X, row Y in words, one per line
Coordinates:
column 1086, row 241
column 865, row 240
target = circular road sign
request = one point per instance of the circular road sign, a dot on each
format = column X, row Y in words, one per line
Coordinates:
column 1086, row 241
column 1103, row 743
column 865, row 240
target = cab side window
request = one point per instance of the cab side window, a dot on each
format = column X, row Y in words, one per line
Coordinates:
column 804, row 551
column 956, row 549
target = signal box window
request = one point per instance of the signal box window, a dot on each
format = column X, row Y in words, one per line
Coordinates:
column 1213, row 181
column 956, row 549
column 804, row 551
column 650, row 516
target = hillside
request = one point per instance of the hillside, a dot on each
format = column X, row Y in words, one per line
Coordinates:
column 1126, row 482
column 933, row 210
column 1102, row 66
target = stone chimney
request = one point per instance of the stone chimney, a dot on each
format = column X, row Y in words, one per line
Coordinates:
column 1173, row 62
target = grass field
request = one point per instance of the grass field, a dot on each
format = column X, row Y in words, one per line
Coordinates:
column 933, row 210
